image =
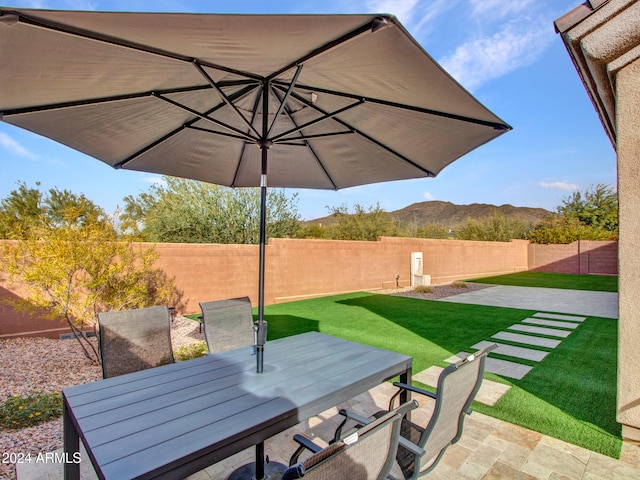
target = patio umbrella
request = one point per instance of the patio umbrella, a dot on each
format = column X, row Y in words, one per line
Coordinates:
column 311, row 101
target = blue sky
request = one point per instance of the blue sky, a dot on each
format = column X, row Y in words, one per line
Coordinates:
column 505, row 52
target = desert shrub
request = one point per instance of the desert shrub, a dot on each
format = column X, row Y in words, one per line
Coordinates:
column 423, row 289
column 25, row 411
column 193, row 350
column 459, row 284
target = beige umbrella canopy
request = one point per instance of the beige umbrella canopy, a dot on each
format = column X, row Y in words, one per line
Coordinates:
column 314, row 101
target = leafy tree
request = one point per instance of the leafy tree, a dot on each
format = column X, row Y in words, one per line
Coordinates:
column 363, row 224
column 597, row 207
column 496, row 228
column 432, row 231
column 187, row 211
column 592, row 215
column 26, row 208
column 561, row 230
column 75, row 269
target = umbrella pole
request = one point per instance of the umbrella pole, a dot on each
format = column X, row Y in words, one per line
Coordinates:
column 262, row 325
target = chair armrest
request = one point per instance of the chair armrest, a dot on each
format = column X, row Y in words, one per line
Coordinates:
column 357, row 419
column 412, row 447
column 404, row 387
column 305, row 444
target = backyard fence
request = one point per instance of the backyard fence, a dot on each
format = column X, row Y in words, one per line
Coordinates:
column 297, row 269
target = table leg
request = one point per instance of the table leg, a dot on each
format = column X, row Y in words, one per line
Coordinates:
column 71, row 443
column 259, row 470
column 405, row 378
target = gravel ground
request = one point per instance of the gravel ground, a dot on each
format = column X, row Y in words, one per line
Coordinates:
column 438, row 291
column 50, row 365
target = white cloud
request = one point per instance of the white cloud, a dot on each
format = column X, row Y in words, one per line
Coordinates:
column 499, row 8
column 515, row 45
column 15, row 148
column 155, row 180
column 413, row 14
column 403, row 9
column 428, row 196
column 559, row 185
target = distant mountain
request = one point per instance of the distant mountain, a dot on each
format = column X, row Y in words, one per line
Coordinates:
column 449, row 215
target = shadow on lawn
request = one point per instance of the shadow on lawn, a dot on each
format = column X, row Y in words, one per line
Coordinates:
column 577, row 378
column 279, row 326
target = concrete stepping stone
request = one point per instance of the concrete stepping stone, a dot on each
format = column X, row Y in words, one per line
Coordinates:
column 516, row 352
column 551, row 323
column 527, row 339
column 489, row 393
column 505, row 368
column 557, row 316
column 552, row 332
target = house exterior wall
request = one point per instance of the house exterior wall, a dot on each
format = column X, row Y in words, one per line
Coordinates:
column 602, row 38
column 628, row 148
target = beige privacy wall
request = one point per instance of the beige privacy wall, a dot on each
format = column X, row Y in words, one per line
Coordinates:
column 297, row 269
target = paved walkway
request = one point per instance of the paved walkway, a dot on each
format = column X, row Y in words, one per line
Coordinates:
column 576, row 302
column 489, row 448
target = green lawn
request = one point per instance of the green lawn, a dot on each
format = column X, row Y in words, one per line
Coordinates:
column 570, row 395
column 599, row 283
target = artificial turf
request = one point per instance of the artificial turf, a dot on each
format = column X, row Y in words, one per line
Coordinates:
column 570, row 395
column 600, row 283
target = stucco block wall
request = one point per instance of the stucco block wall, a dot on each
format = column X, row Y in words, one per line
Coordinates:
column 628, row 148
column 583, row 257
column 298, row 269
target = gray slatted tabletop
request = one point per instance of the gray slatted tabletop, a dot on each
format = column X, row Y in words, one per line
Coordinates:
column 171, row 421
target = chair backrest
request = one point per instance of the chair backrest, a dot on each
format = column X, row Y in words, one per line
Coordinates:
column 228, row 324
column 367, row 454
column 132, row 340
column 458, row 385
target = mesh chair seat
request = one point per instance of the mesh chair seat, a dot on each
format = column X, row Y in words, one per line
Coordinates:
column 132, row 340
column 458, row 385
column 228, row 324
column 367, row 454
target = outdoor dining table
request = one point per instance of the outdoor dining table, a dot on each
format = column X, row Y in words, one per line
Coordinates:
column 174, row 420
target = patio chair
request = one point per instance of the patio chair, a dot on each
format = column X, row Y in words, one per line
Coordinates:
column 228, row 324
column 132, row 340
column 367, row 453
column 458, row 385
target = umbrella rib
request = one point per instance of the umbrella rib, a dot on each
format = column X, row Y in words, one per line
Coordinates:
column 283, row 101
column 427, row 111
column 97, row 101
column 223, row 95
column 310, row 147
column 368, row 137
column 317, row 120
column 202, row 116
column 215, row 132
column 189, row 124
column 254, row 111
column 110, row 40
column 371, row 26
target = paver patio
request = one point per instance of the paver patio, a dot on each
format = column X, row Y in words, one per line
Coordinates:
column 489, row 449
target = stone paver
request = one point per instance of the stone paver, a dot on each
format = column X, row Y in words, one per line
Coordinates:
column 576, row 302
column 489, row 393
column 505, row 368
column 556, row 316
column 551, row 323
column 527, row 339
column 511, row 351
column 489, row 449
column 551, row 332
